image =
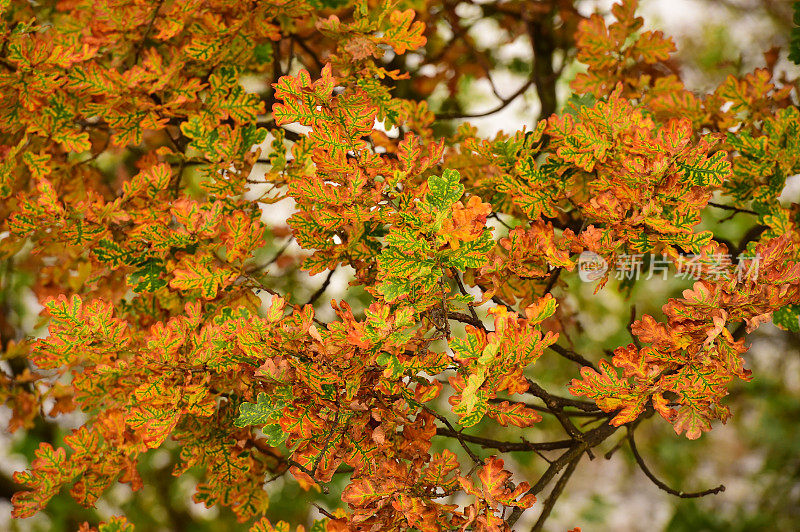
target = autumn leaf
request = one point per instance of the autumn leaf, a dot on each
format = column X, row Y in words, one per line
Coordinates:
column 202, row 274
column 401, row 34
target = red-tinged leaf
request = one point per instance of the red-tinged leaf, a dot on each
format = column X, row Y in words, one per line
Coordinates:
column 154, row 424
column 264, row 525
column 700, row 390
column 415, row 511
column 149, row 182
column 540, row 310
column 648, row 330
column 165, row 340
column 427, row 392
column 441, row 470
column 595, row 44
column 230, row 100
column 242, row 236
column 49, row 471
column 117, row 523
column 200, row 273
column 65, row 313
column 202, row 47
column 300, row 97
column 610, row 393
column 515, row 414
column 48, row 199
column 37, row 163
column 493, row 477
column 631, row 361
column 402, row 35
column 497, row 488
column 653, row 47
column 692, row 420
column 364, row 492
column 301, row 421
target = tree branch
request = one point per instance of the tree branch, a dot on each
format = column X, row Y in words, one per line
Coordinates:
column 321, row 290
column 147, row 31
column 505, row 446
column 453, row 433
column 464, row 318
column 660, row 484
column 537, row 391
column 543, row 45
column 572, row 355
column 591, row 439
column 730, row 208
column 503, row 104
column 457, row 277
column 558, row 489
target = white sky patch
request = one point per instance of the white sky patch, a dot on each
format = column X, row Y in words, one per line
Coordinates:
column 791, row 192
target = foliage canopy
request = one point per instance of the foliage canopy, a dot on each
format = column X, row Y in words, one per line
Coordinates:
column 144, row 144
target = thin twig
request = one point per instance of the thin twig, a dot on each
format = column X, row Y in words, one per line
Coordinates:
column 617, row 447
column 594, row 415
column 464, row 318
column 552, row 281
column 730, row 208
column 453, row 433
column 558, row 489
column 444, row 307
column 310, row 53
column 463, row 291
column 660, row 484
column 147, row 31
column 537, row 391
column 591, row 439
column 572, row 355
column 496, row 216
column 323, row 511
column 556, row 407
column 277, row 255
column 321, row 290
column 630, row 328
column 505, row 446
column 503, row 104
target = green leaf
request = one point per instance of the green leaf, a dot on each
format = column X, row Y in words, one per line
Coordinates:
column 787, row 318
column 262, row 412
column 263, row 52
column 708, row 172
column 116, row 524
column 444, row 190
column 473, row 405
column 406, row 240
column 394, row 368
column 109, row 251
column 148, row 278
column 794, row 43
column 202, row 275
column 318, row 526
column 274, row 433
column 576, row 102
column 473, row 254
column 542, row 309
column 397, row 263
